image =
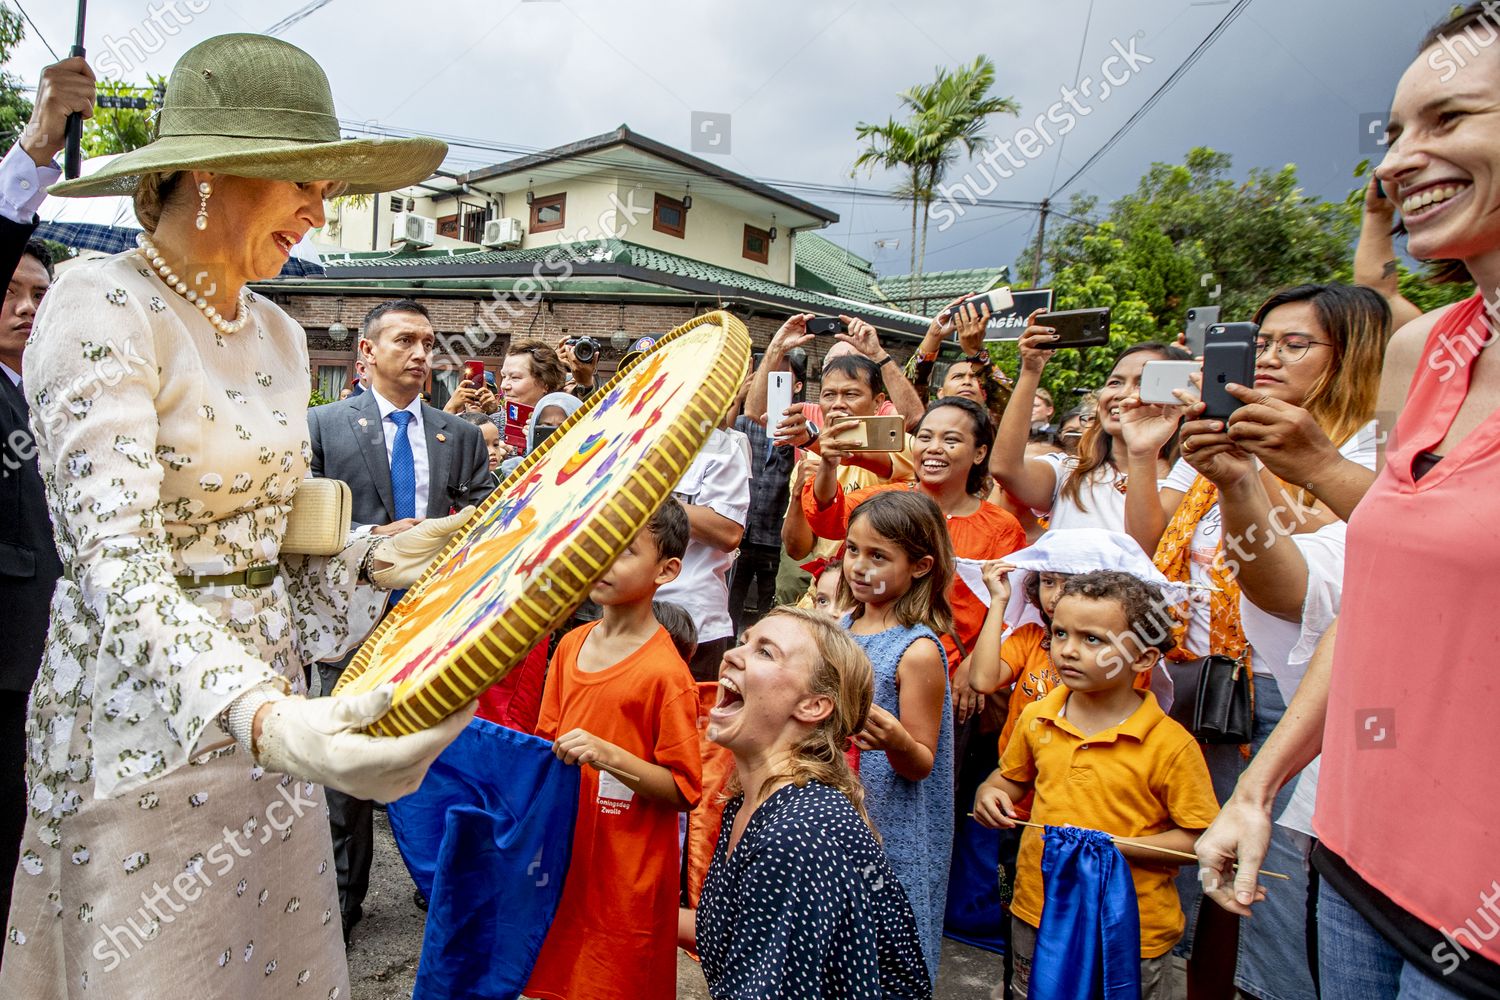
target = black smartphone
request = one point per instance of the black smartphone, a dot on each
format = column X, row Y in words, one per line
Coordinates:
column 1228, row 356
column 1199, row 319
column 825, row 326
column 1078, row 327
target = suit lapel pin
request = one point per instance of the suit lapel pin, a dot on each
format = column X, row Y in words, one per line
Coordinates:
column 441, row 438
column 363, row 422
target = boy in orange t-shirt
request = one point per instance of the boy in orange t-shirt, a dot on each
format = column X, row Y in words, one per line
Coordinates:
column 620, row 698
column 1100, row 753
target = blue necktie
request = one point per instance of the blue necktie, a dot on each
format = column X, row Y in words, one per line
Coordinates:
column 403, row 468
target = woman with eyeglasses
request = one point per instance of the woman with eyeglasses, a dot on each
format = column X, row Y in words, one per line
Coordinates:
column 1221, row 520
column 1085, row 488
column 1399, row 697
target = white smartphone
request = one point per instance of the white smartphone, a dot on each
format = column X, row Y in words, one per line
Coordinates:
column 778, row 398
column 999, row 299
column 1159, row 378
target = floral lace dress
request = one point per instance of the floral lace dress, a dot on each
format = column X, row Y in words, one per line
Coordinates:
column 156, row 859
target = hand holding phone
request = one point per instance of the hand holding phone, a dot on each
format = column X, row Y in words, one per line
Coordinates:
column 825, row 326
column 868, row 433
column 1159, row 379
column 997, row 299
column 1078, row 327
column 778, row 397
column 1228, row 356
column 516, row 417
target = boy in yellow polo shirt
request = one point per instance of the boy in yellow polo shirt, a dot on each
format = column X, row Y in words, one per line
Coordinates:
column 1100, row 753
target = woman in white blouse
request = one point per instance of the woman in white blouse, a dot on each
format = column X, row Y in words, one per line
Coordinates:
column 177, row 839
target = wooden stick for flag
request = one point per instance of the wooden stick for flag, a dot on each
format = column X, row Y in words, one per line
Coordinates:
column 612, row 770
column 1148, row 847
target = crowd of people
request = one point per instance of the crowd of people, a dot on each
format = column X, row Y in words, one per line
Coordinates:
column 823, row 677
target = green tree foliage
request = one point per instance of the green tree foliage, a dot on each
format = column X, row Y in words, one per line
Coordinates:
column 119, row 130
column 15, row 109
column 1190, row 235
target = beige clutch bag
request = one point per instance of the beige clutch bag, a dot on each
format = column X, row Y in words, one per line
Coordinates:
column 319, row 522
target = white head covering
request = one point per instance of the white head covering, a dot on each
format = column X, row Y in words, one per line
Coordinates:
column 1087, row 550
column 1071, row 551
column 568, row 402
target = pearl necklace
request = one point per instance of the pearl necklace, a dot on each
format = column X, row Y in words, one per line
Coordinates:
column 148, row 250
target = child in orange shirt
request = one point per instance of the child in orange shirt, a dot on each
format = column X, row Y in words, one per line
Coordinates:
column 1022, row 658
column 1100, row 753
column 620, row 698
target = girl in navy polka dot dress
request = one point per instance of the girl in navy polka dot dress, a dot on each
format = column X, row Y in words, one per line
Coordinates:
column 898, row 565
column 799, row 901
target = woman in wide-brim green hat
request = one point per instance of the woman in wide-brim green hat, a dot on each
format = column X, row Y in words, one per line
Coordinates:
column 176, row 837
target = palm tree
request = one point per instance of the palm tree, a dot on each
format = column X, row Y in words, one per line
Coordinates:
column 894, row 146
column 947, row 113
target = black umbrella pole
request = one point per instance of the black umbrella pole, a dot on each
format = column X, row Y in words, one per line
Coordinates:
column 73, row 136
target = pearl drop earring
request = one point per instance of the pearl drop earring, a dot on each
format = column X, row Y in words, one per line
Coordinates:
column 204, row 190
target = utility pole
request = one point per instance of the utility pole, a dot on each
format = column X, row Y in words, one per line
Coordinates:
column 1041, row 238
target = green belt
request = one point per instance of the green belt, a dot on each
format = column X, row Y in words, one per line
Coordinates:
column 256, row 576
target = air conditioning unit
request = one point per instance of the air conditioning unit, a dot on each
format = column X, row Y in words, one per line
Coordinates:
column 413, row 230
column 502, row 233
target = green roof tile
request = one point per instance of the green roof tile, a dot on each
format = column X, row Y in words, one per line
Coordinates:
column 826, row 266
column 625, row 254
column 944, row 285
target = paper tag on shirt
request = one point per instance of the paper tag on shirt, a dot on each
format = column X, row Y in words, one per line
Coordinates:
column 614, row 795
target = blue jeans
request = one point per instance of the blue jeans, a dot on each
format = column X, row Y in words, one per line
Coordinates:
column 1356, row 963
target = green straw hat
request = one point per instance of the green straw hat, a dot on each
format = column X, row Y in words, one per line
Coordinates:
column 254, row 106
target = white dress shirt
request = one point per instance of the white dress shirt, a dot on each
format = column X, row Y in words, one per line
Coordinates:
column 718, row 479
column 23, row 185
column 14, row 376
column 416, row 434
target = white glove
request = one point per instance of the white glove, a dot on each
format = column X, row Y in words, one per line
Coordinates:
column 398, row 560
column 318, row 739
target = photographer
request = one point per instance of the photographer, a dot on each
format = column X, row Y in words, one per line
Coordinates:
column 469, row 398
column 580, row 355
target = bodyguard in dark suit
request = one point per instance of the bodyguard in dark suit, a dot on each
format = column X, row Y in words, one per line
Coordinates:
column 29, row 566
column 403, row 461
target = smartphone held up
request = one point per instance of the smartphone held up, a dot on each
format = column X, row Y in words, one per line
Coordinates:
column 1160, row 380
column 1228, row 357
column 778, row 397
column 1078, row 327
column 870, row 433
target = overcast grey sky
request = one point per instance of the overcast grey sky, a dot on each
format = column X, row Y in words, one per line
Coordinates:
column 1286, row 83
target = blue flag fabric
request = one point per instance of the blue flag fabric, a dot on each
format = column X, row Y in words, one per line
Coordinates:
column 1089, row 944
column 975, row 914
column 487, row 840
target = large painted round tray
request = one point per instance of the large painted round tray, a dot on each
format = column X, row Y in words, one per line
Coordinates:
column 549, row 532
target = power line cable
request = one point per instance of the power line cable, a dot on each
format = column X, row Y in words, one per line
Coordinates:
column 295, row 16
column 1151, row 102
column 1077, row 70
column 40, row 37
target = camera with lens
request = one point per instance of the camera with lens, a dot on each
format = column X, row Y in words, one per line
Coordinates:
column 585, row 349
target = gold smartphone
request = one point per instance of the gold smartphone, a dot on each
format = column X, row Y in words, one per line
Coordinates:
column 876, row 433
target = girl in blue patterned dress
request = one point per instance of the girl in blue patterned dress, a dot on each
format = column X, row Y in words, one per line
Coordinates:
column 898, row 564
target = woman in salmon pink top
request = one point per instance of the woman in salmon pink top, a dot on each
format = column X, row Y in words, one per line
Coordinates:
column 1407, row 817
